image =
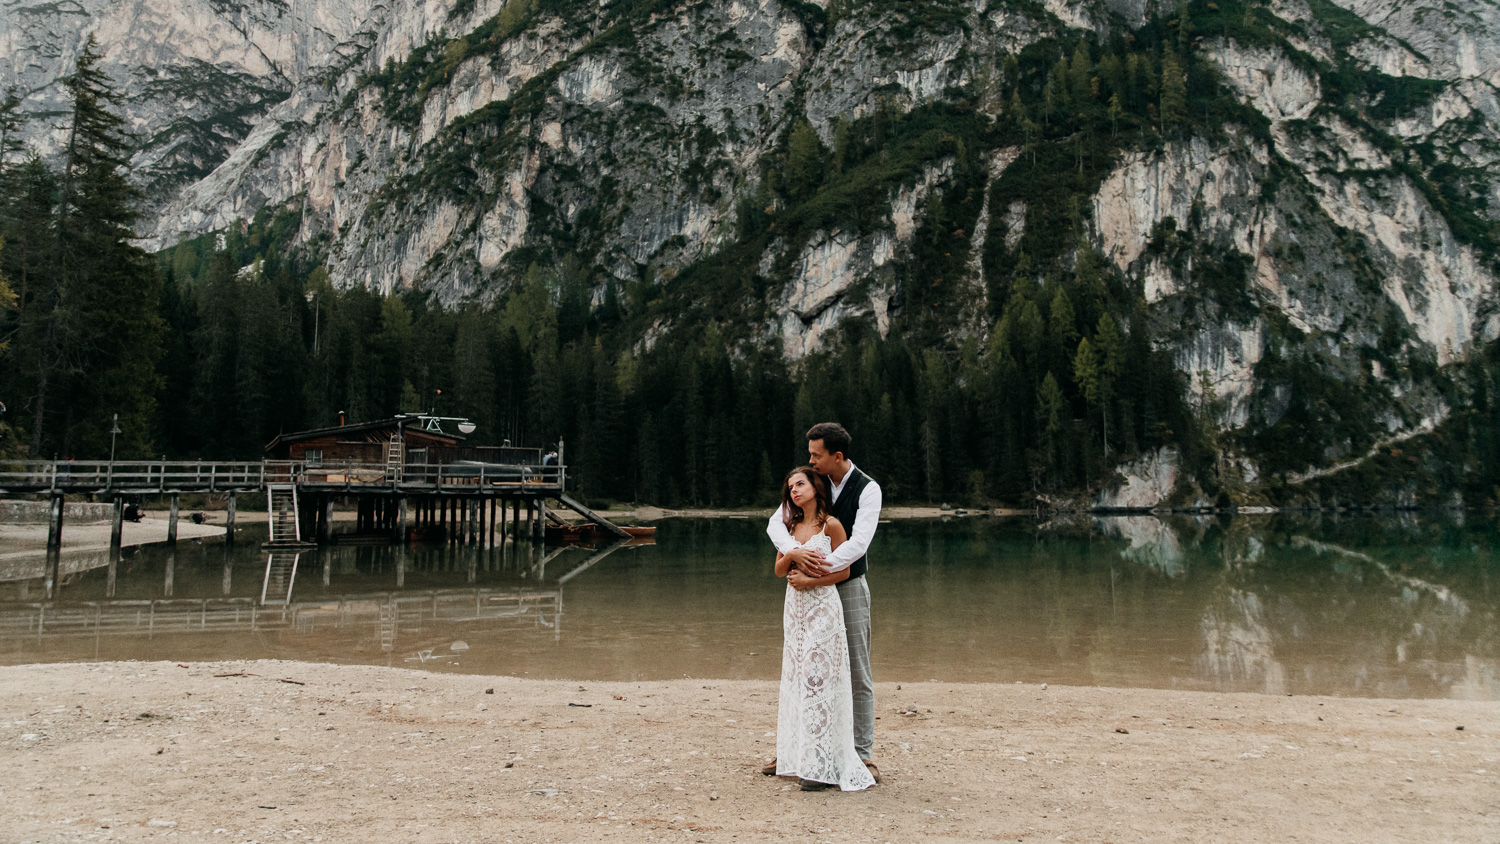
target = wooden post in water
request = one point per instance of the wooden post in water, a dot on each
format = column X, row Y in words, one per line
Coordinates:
column 52, row 573
column 172, row 521
column 325, row 525
column 117, row 526
column 401, row 519
column 229, row 527
column 55, row 523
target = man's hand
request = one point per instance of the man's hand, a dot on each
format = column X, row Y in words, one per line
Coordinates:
column 799, row 581
column 808, row 561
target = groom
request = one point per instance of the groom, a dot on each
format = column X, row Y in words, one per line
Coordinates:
column 856, row 504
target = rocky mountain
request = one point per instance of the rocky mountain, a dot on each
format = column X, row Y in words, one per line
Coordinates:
column 1304, row 195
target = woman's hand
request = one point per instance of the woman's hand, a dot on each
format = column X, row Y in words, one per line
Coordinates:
column 808, row 560
column 783, row 565
column 799, row 581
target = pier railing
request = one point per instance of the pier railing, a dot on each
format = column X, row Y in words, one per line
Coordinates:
column 165, row 476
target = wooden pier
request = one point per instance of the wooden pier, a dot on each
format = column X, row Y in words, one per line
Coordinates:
column 406, row 477
column 465, row 497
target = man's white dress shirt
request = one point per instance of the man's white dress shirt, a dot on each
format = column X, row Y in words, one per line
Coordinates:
column 860, row 534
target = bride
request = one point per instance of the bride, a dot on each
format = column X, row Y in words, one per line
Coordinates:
column 815, row 720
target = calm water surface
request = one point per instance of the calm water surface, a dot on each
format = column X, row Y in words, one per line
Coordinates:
column 1398, row 607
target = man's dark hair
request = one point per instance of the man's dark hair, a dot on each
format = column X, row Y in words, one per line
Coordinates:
column 835, row 438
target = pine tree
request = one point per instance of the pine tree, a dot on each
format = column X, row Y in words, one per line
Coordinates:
column 1080, row 70
column 1049, row 412
column 103, row 333
column 1092, row 382
column 1173, row 91
column 7, row 302
column 804, row 162
column 12, row 120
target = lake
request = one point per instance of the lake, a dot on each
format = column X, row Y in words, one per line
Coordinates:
column 1391, row 606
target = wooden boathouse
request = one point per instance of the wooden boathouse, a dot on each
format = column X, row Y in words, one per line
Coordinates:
column 410, row 478
column 407, row 477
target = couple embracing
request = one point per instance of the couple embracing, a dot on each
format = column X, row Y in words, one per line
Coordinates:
column 825, row 724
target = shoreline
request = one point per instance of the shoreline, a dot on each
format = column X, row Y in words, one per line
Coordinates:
column 25, row 540
column 271, row 750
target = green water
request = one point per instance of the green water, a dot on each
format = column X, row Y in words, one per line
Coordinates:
column 1362, row 606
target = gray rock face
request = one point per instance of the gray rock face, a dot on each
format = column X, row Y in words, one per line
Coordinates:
column 198, row 77
column 425, row 146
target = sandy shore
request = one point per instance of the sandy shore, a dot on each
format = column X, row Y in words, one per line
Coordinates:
column 26, row 540
column 276, row 751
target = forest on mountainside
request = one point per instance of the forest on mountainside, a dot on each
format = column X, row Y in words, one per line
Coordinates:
column 222, row 342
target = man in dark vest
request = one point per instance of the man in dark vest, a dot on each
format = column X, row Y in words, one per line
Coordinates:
column 856, row 504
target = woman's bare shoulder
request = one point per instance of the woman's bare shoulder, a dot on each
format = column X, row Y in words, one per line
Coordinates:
column 833, row 523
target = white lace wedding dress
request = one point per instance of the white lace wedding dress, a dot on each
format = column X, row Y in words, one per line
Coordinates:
column 815, row 720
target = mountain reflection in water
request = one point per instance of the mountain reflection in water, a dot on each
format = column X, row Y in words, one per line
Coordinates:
column 1387, row 607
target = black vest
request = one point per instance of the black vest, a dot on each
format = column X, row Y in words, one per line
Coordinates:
column 846, row 508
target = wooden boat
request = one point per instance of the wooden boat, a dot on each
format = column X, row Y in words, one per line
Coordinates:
column 562, row 534
column 587, row 531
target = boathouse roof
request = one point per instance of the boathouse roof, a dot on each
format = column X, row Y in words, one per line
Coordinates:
column 378, row 431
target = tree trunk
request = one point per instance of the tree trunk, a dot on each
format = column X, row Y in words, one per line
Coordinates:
column 41, row 403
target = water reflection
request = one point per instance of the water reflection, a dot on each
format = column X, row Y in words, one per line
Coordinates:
column 104, row 600
column 1398, row 607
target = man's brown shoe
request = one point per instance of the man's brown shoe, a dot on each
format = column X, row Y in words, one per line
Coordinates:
column 874, row 771
column 769, row 770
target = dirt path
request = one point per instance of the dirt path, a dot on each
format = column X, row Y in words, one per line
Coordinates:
column 277, row 751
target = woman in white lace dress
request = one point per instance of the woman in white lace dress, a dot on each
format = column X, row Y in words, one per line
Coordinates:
column 815, row 720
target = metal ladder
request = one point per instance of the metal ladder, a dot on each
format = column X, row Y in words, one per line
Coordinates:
column 281, row 575
column 281, row 513
column 388, row 623
column 395, row 455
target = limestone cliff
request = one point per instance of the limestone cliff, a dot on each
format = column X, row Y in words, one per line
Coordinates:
column 1350, row 204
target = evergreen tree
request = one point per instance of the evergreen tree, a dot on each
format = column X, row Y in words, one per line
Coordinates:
column 7, row 302
column 1092, row 382
column 1080, row 71
column 1050, row 404
column 1173, row 91
column 804, row 162
column 102, row 332
column 177, row 430
column 12, row 120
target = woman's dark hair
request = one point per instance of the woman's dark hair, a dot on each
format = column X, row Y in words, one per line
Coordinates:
column 792, row 513
column 835, row 438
